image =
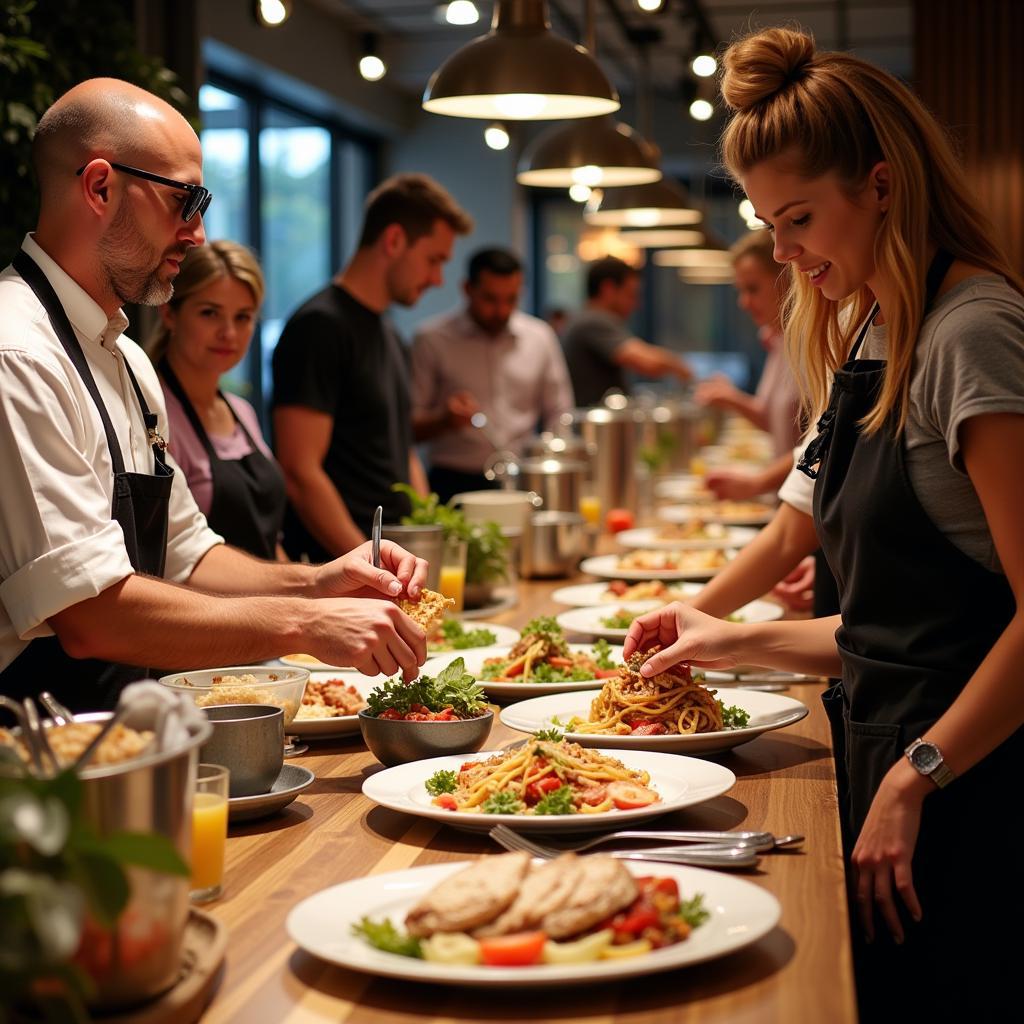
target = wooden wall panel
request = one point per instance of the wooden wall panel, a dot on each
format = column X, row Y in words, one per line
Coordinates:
column 969, row 69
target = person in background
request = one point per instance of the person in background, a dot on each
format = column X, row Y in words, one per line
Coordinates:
column 489, row 357
column 107, row 566
column 761, row 285
column 558, row 319
column 599, row 346
column 214, row 436
column 341, row 407
column 908, row 327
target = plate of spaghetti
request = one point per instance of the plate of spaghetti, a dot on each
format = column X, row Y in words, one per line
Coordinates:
column 642, row 564
column 692, row 534
column 612, row 621
column 671, row 711
column 729, row 513
column 548, row 785
column 585, row 595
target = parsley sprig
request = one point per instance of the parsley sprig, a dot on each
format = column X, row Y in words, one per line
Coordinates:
column 442, row 782
column 453, row 687
column 384, row 935
column 558, row 801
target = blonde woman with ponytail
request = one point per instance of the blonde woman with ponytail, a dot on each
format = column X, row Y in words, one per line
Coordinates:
column 905, row 325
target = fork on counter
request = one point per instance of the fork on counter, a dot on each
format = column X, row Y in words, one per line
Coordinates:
column 709, row 855
column 759, row 841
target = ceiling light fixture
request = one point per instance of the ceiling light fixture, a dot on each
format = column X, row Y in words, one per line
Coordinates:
column 661, row 204
column 371, row 67
column 271, row 13
column 701, row 110
column 650, row 6
column 496, row 136
column 704, row 65
column 662, row 238
column 580, row 193
column 693, row 258
column 520, row 71
column 461, row 12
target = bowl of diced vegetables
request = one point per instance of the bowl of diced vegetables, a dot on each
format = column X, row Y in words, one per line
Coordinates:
column 429, row 717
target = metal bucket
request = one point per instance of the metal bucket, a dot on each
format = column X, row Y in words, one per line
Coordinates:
column 423, row 541
column 553, row 544
column 611, row 433
column 559, row 482
column 141, row 958
column 668, row 434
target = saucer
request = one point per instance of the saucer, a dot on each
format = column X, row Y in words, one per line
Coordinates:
column 287, row 786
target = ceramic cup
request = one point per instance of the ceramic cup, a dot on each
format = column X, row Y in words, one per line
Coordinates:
column 248, row 739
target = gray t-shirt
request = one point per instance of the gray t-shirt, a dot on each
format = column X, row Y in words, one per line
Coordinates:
column 969, row 362
column 590, row 341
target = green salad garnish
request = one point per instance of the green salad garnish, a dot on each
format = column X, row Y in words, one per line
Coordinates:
column 502, row 802
column 453, row 687
column 458, row 638
column 442, row 782
column 733, row 717
column 384, row 935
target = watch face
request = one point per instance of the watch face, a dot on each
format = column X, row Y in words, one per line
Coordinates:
column 926, row 758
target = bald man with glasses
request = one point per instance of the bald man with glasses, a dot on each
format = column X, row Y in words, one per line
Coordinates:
column 107, row 567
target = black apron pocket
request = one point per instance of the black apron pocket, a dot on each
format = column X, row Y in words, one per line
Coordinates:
column 872, row 748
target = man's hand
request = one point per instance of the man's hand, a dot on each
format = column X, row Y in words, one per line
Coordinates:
column 353, row 575
column 797, row 589
column 733, row 485
column 461, row 407
column 374, row 636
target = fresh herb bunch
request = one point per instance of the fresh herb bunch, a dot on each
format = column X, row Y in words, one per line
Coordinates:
column 733, row 717
column 558, row 801
column 553, row 735
column 56, row 873
column 603, row 654
column 385, row 936
column 453, row 687
column 622, row 619
column 486, row 545
column 502, row 802
column 442, row 782
column 692, row 910
column 459, row 638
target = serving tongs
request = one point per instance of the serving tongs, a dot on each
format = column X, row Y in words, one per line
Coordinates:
column 42, row 761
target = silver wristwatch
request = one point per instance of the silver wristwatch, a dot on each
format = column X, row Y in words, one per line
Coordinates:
column 927, row 759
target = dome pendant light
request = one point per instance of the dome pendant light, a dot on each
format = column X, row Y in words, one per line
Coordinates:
column 599, row 152
column 659, row 204
column 520, row 71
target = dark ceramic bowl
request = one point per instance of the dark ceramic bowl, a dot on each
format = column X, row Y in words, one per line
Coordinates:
column 394, row 742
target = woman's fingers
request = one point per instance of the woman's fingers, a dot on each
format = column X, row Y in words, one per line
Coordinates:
column 904, row 876
column 884, row 901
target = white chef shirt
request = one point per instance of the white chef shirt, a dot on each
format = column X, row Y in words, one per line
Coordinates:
column 798, row 488
column 58, row 543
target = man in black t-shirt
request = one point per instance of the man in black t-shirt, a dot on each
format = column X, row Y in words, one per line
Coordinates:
column 341, row 404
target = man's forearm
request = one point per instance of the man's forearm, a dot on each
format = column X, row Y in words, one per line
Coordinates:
column 748, row 406
column 323, row 511
column 226, row 570
column 149, row 622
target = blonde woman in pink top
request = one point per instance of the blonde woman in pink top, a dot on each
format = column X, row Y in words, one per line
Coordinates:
column 215, row 437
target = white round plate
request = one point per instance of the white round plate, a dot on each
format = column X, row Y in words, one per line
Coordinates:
column 767, row 711
column 608, row 567
column 588, row 620
column 741, row 913
column 507, row 691
column 502, row 635
column 647, row 537
column 342, row 725
column 584, row 595
column 685, row 487
column 712, row 514
column 679, row 781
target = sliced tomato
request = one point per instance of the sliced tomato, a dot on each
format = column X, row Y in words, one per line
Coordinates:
column 391, row 714
column 668, row 886
column 626, row 796
column 536, row 790
column 447, row 801
column 633, row 921
column 594, row 795
column 557, row 661
column 520, row 950
column 606, row 673
column 648, row 729
column 618, row 519
column 516, row 668
column 618, row 587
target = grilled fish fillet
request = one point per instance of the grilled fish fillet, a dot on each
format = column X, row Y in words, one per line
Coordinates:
column 603, row 888
column 545, row 890
column 469, row 898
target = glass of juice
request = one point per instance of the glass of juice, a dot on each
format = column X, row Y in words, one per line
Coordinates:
column 209, row 832
column 590, row 508
column 453, row 571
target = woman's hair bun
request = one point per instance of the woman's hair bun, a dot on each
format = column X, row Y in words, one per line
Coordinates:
column 760, row 65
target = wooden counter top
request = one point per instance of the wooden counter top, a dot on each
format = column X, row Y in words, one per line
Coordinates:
column 800, row 972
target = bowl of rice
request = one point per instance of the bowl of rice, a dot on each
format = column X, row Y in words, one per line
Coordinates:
column 244, row 684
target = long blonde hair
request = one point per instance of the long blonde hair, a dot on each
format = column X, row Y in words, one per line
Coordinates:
column 827, row 112
column 202, row 265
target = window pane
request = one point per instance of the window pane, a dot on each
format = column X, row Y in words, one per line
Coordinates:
column 295, row 211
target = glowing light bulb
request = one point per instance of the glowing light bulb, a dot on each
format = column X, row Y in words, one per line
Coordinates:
column 649, row 6
column 372, row 68
column 704, row 65
column 579, row 193
column 272, row 12
column 461, row 12
column 701, row 110
column 588, row 174
column 496, row 136
column 520, row 105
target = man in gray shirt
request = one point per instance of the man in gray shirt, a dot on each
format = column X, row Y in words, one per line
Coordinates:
column 599, row 346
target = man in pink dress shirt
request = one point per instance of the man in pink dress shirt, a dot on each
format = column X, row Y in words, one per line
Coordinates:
column 489, row 357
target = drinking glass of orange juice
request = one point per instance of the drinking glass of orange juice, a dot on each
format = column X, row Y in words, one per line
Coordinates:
column 209, row 832
column 453, row 571
column 590, row 508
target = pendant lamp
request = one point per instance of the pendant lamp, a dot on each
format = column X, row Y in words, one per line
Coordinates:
column 661, row 203
column 599, row 152
column 520, row 71
column 662, row 238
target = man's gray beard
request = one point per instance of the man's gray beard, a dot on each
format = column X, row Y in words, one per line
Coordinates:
column 124, row 256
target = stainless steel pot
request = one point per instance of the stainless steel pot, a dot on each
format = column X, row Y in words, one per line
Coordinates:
column 558, row 481
column 553, row 544
column 668, row 432
column 152, row 794
column 611, row 433
column 423, row 541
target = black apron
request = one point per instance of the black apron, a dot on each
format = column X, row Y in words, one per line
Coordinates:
column 247, row 507
column 919, row 616
column 140, row 507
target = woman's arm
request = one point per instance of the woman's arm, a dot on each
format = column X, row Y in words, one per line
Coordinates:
column 768, row 558
column 721, row 392
column 989, row 708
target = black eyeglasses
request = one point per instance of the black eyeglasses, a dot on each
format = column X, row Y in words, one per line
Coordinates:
column 198, row 197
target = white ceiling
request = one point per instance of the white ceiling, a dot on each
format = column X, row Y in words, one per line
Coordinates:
column 414, row 42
